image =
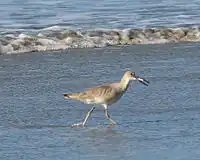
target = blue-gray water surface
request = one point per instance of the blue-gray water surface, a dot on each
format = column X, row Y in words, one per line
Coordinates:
column 26, row 16
column 160, row 121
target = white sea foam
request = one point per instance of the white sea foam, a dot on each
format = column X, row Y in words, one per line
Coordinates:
column 52, row 39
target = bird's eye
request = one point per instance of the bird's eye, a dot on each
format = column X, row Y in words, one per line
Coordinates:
column 133, row 74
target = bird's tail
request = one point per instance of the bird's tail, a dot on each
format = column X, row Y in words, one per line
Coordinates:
column 77, row 96
column 66, row 95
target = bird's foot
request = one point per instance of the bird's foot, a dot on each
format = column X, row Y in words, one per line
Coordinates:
column 113, row 123
column 78, row 124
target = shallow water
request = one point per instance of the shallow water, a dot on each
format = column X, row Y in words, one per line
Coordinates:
column 160, row 121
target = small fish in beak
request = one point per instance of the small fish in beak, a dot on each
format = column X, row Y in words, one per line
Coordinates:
column 143, row 81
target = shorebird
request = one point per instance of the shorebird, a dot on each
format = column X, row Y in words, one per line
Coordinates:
column 105, row 95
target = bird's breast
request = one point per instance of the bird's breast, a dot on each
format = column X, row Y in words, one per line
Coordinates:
column 115, row 98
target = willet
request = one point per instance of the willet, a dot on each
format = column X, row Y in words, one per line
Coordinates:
column 105, row 95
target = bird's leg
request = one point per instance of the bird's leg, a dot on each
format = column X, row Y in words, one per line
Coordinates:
column 108, row 116
column 86, row 118
column 88, row 115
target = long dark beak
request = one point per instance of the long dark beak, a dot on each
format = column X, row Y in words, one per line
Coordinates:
column 143, row 81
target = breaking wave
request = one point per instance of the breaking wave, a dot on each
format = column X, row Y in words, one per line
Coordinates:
column 52, row 39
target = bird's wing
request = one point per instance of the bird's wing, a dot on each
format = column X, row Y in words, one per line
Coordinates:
column 97, row 94
column 106, row 91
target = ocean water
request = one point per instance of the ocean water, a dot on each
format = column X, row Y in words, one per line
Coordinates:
column 159, row 121
column 69, row 46
column 89, row 14
column 49, row 25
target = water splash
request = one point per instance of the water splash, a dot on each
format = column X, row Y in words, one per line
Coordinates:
column 60, row 39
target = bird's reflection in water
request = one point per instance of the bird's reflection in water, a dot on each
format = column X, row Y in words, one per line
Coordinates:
column 102, row 131
column 104, row 139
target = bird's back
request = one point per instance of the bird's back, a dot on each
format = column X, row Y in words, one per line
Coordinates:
column 104, row 94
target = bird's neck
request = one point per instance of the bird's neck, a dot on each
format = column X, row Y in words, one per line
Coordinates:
column 124, row 83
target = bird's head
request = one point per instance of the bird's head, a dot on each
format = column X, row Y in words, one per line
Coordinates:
column 132, row 76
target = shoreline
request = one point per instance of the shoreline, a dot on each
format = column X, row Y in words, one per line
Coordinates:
column 55, row 40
